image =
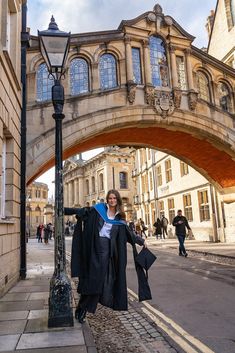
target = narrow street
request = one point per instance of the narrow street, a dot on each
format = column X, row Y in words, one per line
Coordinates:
column 196, row 294
column 193, row 303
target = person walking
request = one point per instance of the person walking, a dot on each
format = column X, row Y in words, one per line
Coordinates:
column 164, row 224
column 143, row 228
column 101, row 257
column 181, row 223
column 158, row 228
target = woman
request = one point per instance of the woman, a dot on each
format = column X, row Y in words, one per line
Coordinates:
column 158, row 228
column 101, row 257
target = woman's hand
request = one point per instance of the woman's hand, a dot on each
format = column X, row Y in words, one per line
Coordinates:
column 145, row 245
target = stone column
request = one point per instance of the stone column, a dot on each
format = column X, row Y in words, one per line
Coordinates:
column 147, row 66
column 81, row 192
column 129, row 65
column 192, row 94
column 95, row 82
column 174, row 74
column 66, row 194
column 69, row 193
column 76, row 191
column 189, row 70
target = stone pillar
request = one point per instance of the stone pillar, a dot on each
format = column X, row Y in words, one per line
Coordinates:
column 192, row 94
column 95, row 76
column 174, row 74
column 189, row 70
column 66, row 194
column 81, row 192
column 147, row 66
column 69, row 193
column 129, row 65
column 76, row 191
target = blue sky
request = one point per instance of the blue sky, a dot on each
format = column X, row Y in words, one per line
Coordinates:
column 93, row 15
column 79, row 16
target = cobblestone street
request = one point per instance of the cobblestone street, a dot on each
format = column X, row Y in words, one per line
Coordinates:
column 116, row 332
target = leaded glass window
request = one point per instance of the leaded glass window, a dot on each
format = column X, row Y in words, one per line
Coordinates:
column 108, row 71
column 158, row 62
column 123, row 180
column 203, row 86
column 181, row 73
column 44, row 84
column 224, row 97
column 136, row 66
column 79, row 76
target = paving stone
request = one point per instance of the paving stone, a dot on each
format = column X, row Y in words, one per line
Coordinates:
column 24, row 305
column 13, row 327
column 8, row 342
column 38, row 296
column 35, row 314
column 51, row 339
column 29, row 289
column 13, row 315
column 15, row 297
column 70, row 349
column 41, row 325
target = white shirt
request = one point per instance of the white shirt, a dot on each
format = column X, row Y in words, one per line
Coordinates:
column 106, row 229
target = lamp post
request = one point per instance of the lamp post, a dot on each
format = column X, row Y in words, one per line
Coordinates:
column 54, row 47
column 30, row 217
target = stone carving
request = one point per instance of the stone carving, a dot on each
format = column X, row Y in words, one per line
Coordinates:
column 164, row 103
column 161, row 101
column 157, row 9
column 149, row 94
column 192, row 99
column 131, row 89
column 177, row 94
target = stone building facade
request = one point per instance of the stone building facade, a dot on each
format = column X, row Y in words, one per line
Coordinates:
column 89, row 181
column 222, row 33
column 37, row 209
column 10, row 119
column 165, row 184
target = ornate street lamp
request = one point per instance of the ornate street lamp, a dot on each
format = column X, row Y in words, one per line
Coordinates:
column 54, row 47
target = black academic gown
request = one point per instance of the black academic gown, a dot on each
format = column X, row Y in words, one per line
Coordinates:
column 86, row 261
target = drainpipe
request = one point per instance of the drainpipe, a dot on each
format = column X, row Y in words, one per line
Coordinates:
column 24, row 45
column 214, row 220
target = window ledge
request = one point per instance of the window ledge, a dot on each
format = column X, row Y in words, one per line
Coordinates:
column 7, row 220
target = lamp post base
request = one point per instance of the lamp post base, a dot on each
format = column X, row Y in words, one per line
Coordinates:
column 60, row 301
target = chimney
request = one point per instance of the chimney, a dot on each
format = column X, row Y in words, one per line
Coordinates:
column 209, row 22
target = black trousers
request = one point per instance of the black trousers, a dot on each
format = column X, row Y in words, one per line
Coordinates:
column 89, row 302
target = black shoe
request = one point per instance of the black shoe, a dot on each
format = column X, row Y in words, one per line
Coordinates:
column 80, row 315
column 185, row 255
column 181, row 254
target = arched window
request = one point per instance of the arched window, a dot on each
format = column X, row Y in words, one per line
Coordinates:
column 79, row 77
column 93, row 184
column 160, row 77
column 101, row 182
column 108, row 71
column 224, row 96
column 203, row 86
column 87, row 186
column 44, row 84
column 123, row 180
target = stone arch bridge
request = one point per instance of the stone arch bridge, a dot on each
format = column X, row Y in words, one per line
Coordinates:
column 183, row 115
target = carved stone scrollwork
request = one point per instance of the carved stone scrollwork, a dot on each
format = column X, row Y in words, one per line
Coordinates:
column 149, row 94
column 131, row 89
column 177, row 95
column 192, row 99
column 164, row 103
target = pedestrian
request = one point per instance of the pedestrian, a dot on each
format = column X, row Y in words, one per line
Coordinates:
column 158, row 228
column 143, row 228
column 138, row 228
column 101, row 257
column 181, row 223
column 164, row 224
column 39, row 233
column 46, row 234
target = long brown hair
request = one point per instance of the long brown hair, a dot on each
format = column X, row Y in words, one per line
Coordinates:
column 119, row 199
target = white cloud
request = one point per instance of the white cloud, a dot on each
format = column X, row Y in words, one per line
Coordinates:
column 93, row 15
